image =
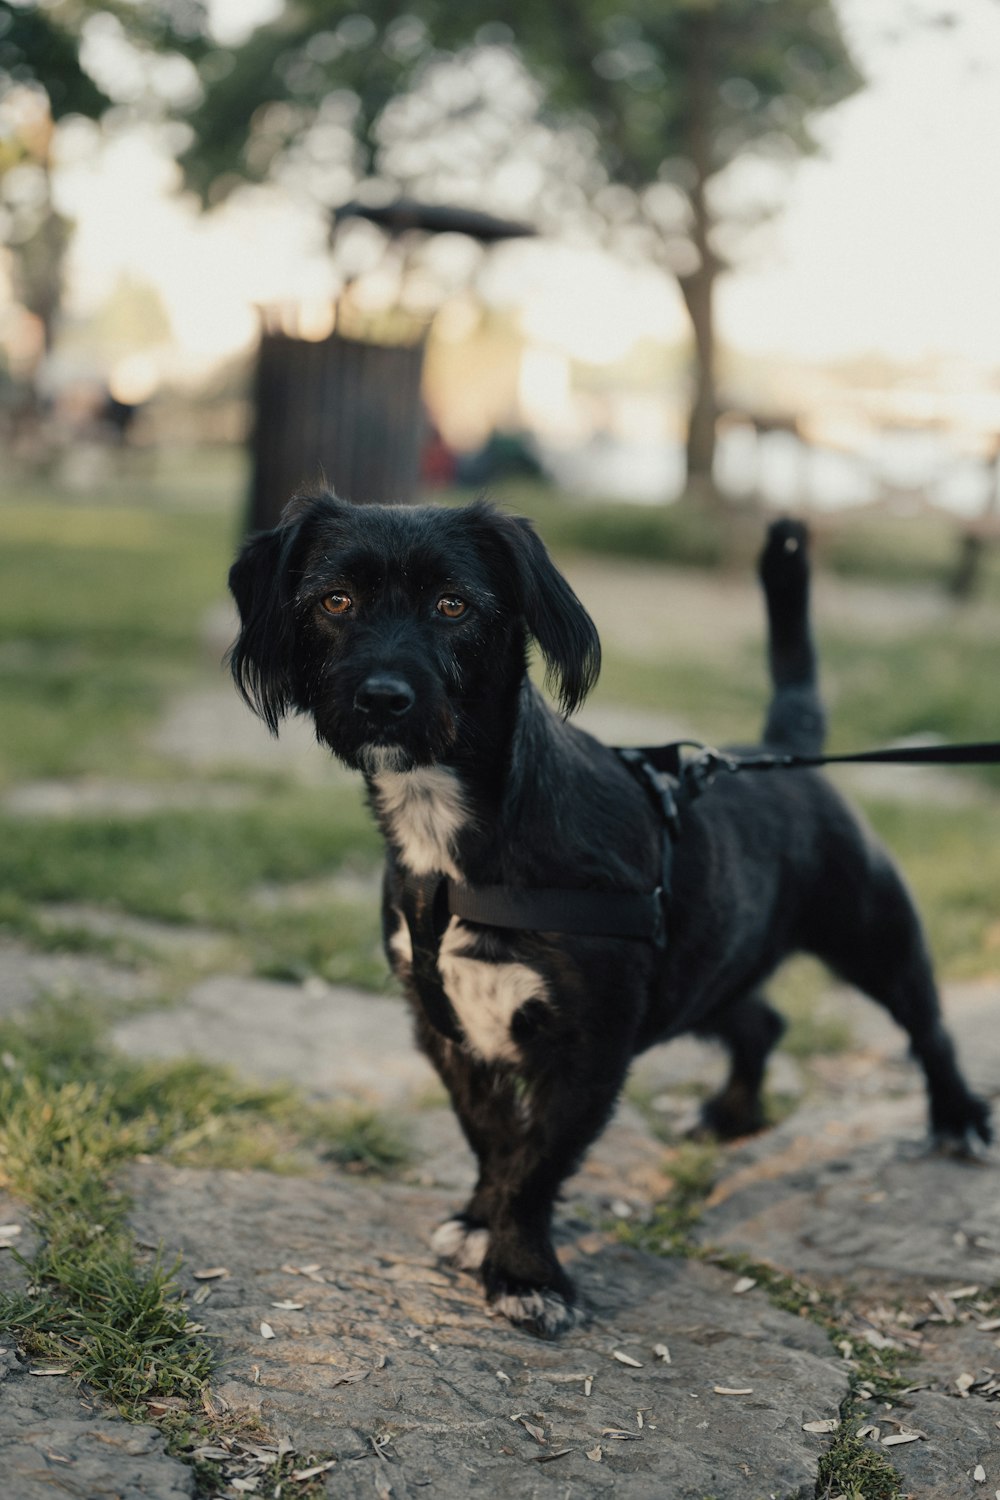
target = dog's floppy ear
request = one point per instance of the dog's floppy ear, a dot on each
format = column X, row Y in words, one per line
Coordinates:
column 261, row 656
column 554, row 615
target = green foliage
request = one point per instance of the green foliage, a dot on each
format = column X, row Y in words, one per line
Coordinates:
column 646, row 83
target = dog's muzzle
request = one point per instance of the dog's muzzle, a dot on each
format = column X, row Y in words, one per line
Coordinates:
column 383, row 698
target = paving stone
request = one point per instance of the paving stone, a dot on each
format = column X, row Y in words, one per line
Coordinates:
column 389, row 1345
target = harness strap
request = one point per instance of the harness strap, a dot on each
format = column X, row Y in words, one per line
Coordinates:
column 606, row 913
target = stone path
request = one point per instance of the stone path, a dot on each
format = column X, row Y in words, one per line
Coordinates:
column 391, row 1363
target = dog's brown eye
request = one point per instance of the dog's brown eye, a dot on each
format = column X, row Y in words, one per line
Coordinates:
column 451, row 607
column 336, row 604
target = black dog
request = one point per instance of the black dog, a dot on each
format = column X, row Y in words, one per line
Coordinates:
column 404, row 633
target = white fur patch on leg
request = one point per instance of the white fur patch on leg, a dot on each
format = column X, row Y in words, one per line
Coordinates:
column 400, row 945
column 460, row 1244
column 545, row 1313
column 485, row 995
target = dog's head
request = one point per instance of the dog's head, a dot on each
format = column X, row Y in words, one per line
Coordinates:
column 401, row 629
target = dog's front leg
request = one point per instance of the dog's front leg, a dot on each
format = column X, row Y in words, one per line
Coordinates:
column 529, row 1128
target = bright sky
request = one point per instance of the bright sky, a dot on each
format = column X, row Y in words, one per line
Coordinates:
column 890, row 242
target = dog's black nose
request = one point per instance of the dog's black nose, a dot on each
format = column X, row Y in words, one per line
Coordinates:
column 385, row 696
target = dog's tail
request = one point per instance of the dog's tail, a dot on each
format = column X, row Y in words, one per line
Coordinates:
column 796, row 720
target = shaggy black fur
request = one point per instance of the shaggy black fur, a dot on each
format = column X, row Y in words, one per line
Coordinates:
column 404, row 634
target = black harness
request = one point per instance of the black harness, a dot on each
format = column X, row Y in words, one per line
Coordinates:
column 671, row 776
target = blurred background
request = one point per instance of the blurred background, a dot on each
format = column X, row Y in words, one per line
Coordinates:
column 649, row 273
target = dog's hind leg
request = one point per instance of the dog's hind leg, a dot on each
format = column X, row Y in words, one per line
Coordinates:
column 881, row 950
column 749, row 1028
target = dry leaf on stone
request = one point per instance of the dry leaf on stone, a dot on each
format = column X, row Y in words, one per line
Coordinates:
column 289, row 1306
column 53, row 1370
column 824, row 1424
column 211, row 1273
column 301, row 1474
column 266, row 1331
column 595, row 1454
column 870, row 1431
column 979, row 1474
column 733, row 1390
column 349, row 1377
column 588, row 1385
column 963, row 1292
column 619, row 1435
column 662, row 1352
column 745, row 1284
column 989, row 1326
column 902, row 1436
column 546, row 1458
column 964, row 1383
column 944, row 1306
column 626, row 1359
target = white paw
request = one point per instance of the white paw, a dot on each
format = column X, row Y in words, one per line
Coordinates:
column 464, row 1247
column 545, row 1313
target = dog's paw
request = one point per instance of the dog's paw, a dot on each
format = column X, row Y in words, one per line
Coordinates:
column 541, row 1311
column 461, row 1243
column 960, row 1122
column 958, row 1128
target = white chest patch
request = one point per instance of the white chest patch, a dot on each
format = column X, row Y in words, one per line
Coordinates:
column 485, row 995
column 424, row 809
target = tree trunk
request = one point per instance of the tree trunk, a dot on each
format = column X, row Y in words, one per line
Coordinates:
column 338, row 413
column 698, row 292
column 698, row 287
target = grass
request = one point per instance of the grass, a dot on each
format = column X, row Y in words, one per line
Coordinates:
column 73, row 1113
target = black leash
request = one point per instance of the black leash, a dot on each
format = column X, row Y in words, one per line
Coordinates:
column 696, row 771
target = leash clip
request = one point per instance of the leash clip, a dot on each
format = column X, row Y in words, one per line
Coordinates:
column 698, row 773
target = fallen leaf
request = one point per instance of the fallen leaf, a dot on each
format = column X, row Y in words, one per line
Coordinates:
column 300, row 1474
column 870, row 1431
column 979, row 1474
column 594, row 1454
column 962, row 1292
column 745, row 1284
column 588, row 1385
column 901, row 1437
column 211, row 1273
column 289, row 1306
column 349, row 1377
column 266, row 1331
column 964, row 1382
column 990, row 1325
column 824, row 1424
column 61, row 1370
column 546, row 1458
column 662, row 1352
column 626, row 1359
column 619, row 1436
column 733, row 1390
